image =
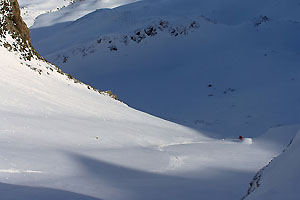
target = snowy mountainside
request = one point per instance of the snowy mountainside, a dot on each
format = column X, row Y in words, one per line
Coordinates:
column 280, row 178
column 48, row 119
column 15, row 38
column 39, row 13
column 14, row 50
column 31, row 9
column 234, row 64
column 60, row 139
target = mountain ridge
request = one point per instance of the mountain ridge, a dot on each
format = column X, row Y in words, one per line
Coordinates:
column 15, row 36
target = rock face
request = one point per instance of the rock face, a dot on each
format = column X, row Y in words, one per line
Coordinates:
column 12, row 20
column 15, row 36
column 17, row 24
column 12, row 25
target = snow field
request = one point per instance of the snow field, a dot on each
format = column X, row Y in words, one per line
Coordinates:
column 61, row 140
column 72, row 141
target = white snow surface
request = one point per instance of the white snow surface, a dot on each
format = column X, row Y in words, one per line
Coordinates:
column 229, row 68
column 30, row 9
column 39, row 13
column 281, row 178
column 60, row 140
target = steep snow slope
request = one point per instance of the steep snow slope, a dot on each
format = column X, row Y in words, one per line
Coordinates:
column 280, row 179
column 76, row 11
column 60, row 139
column 32, row 8
column 229, row 68
column 44, row 13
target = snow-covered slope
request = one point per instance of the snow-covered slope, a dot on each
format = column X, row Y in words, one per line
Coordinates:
column 45, row 13
column 229, row 68
column 280, row 179
column 33, row 8
column 61, row 139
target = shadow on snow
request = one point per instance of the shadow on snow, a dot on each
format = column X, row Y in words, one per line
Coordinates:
column 154, row 186
column 17, row 192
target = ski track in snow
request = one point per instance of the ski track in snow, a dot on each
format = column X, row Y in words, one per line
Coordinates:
column 17, row 171
column 175, row 162
column 161, row 147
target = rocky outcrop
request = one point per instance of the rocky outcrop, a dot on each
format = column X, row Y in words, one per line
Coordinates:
column 13, row 25
column 15, row 22
column 15, row 36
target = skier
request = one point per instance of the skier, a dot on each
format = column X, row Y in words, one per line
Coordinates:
column 241, row 138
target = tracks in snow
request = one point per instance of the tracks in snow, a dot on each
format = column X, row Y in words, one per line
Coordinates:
column 17, row 171
column 175, row 161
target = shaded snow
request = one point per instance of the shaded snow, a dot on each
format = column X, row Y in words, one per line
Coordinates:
column 280, row 179
column 60, row 140
column 236, row 73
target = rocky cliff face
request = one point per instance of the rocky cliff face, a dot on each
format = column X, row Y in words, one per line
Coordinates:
column 14, row 34
column 16, row 23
